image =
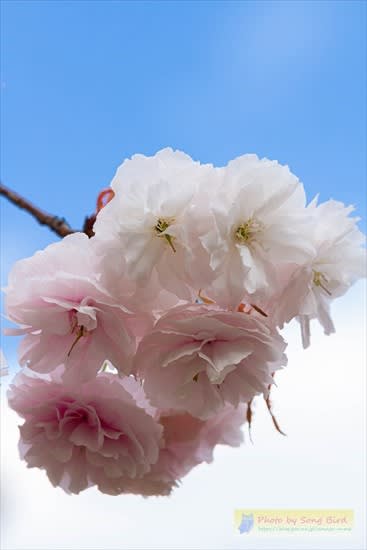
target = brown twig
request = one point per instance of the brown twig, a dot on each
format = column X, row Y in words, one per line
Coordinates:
column 56, row 224
column 88, row 225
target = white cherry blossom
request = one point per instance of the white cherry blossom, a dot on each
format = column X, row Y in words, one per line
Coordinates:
column 259, row 222
column 151, row 218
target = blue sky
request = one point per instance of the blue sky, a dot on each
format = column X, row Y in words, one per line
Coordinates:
column 86, row 84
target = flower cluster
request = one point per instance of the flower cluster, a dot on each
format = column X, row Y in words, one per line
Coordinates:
column 144, row 346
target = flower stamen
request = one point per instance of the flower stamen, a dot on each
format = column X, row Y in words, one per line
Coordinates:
column 204, row 299
column 319, row 279
column 82, row 331
column 259, row 310
column 245, row 233
column 247, row 308
column 160, row 228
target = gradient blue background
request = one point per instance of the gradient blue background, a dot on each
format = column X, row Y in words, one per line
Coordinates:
column 86, row 84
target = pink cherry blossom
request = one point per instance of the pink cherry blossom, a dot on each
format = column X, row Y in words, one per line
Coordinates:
column 144, row 345
column 199, row 357
column 188, row 441
column 93, row 435
column 67, row 315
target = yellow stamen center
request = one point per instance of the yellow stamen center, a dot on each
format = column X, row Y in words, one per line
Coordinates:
column 160, row 228
column 319, row 279
column 246, row 232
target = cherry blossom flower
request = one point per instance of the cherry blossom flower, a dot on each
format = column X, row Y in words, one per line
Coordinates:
column 339, row 261
column 199, row 357
column 151, row 298
column 144, row 346
column 260, row 221
column 188, row 442
column 151, row 218
column 307, row 291
column 67, row 316
column 93, row 435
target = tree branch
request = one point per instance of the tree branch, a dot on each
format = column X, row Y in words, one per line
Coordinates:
column 56, row 224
